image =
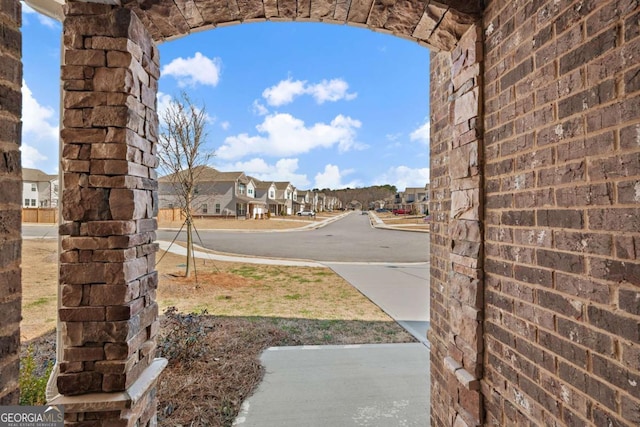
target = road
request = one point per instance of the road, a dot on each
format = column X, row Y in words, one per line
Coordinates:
column 350, row 239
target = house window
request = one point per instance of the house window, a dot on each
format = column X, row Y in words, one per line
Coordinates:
column 250, row 191
column 26, row 202
column 217, row 208
column 55, row 188
column 34, row 187
column 241, row 189
column 33, row 202
column 205, row 208
column 170, row 205
column 272, row 195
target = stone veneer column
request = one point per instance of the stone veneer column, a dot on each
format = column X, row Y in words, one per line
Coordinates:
column 456, row 241
column 10, row 199
column 108, row 314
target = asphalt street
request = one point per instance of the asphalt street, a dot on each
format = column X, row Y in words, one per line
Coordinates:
column 351, row 239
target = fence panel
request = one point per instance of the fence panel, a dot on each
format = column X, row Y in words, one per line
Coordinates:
column 40, row 215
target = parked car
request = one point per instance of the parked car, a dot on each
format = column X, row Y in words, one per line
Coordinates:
column 306, row 213
column 401, row 211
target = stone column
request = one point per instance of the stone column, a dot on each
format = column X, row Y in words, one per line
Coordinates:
column 464, row 359
column 457, row 291
column 10, row 199
column 108, row 314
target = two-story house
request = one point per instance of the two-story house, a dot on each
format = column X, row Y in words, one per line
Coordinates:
column 284, row 197
column 265, row 192
column 228, row 194
column 413, row 199
column 304, row 200
column 39, row 190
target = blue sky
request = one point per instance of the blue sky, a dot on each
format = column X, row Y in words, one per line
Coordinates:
column 320, row 105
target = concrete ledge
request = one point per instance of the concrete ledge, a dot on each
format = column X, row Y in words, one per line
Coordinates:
column 463, row 376
column 102, row 402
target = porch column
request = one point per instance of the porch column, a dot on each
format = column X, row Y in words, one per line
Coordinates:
column 108, row 315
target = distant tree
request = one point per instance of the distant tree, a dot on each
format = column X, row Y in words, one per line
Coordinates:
column 183, row 155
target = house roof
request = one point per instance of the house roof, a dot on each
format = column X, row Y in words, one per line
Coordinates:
column 207, row 174
column 281, row 185
column 36, row 175
column 261, row 185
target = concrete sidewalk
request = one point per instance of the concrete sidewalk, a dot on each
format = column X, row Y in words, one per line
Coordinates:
column 376, row 385
column 400, row 290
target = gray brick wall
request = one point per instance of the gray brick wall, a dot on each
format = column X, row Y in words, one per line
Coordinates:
column 10, row 193
column 562, row 123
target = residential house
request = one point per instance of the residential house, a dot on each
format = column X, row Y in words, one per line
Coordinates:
column 227, row 194
column 304, row 200
column 418, row 199
column 320, row 202
column 39, row 190
column 413, row 199
column 266, row 193
column 284, row 198
column 332, row 203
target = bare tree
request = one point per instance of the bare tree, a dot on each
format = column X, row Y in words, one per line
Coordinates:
column 183, row 156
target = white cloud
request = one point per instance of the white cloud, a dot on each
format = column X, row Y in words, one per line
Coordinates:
column 259, row 109
column 40, row 133
column 422, row 134
column 332, row 90
column 37, row 120
column 225, row 125
column 43, row 19
column 282, row 135
column 283, row 170
column 31, row 156
column 332, row 177
column 164, row 101
column 403, row 177
column 198, row 70
column 284, row 92
column 327, row 90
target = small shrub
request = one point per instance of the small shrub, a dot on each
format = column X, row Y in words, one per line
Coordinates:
column 182, row 340
column 33, row 384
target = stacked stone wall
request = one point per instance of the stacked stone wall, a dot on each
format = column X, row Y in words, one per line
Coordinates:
column 109, row 202
column 439, row 208
column 456, row 233
column 562, row 236
column 10, row 198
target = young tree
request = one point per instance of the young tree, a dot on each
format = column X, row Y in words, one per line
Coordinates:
column 183, row 155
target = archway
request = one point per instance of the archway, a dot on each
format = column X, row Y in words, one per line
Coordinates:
column 110, row 74
column 557, row 84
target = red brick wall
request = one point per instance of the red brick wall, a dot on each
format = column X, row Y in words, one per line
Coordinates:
column 10, row 193
column 562, row 230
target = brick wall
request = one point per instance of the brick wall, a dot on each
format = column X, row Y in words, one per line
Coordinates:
column 10, row 193
column 562, row 236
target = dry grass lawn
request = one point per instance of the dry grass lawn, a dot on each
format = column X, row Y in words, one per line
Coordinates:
column 407, row 222
column 244, row 308
column 274, row 223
